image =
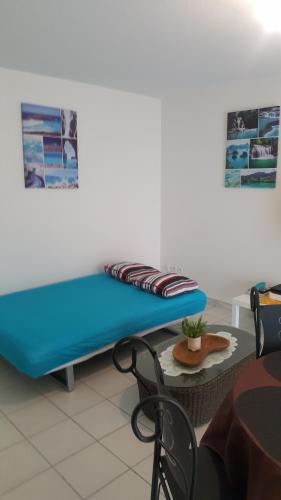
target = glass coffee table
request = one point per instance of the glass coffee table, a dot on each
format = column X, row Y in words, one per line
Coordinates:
column 200, row 393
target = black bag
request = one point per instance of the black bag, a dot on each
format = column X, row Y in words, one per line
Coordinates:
column 274, row 289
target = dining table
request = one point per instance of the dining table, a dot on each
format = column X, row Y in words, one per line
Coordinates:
column 246, row 430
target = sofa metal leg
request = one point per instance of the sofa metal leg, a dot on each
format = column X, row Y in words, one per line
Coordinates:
column 69, row 377
column 66, row 377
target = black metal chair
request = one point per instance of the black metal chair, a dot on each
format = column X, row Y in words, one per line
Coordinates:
column 184, row 471
column 267, row 320
column 135, row 345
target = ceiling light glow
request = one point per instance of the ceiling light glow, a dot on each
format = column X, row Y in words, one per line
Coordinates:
column 268, row 13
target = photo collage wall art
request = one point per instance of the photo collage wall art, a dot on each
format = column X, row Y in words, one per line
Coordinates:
column 252, row 148
column 49, row 147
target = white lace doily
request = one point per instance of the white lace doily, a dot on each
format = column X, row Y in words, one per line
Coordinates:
column 172, row 368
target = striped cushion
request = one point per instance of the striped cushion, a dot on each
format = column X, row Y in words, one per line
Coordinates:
column 166, row 284
column 128, row 271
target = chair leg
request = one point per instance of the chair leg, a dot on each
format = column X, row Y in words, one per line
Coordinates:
column 155, row 479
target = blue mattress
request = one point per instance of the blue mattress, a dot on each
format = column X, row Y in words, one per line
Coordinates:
column 43, row 328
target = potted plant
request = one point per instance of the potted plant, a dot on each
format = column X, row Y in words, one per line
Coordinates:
column 194, row 330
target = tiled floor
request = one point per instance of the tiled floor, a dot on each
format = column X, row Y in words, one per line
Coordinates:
column 67, row 446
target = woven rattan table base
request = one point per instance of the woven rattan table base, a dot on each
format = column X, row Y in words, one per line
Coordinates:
column 202, row 401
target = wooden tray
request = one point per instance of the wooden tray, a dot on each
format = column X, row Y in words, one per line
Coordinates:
column 210, row 343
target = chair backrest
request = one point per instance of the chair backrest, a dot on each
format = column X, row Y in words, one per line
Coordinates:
column 175, row 448
column 267, row 320
column 133, row 345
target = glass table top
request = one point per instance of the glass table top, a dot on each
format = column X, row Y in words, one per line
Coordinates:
column 246, row 346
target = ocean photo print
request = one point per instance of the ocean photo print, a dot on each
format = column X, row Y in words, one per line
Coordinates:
column 232, row 179
column 50, row 152
column 41, row 120
column 258, row 178
column 61, row 178
column 237, row 154
column 33, row 149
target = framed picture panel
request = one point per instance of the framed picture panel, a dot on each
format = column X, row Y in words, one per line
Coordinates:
column 50, row 152
column 252, row 148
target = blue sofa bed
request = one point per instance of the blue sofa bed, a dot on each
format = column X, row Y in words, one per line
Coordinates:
column 52, row 327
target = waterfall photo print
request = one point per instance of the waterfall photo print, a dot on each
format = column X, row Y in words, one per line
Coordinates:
column 242, row 124
column 263, row 153
column 252, row 148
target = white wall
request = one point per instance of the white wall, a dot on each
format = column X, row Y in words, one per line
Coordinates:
column 115, row 214
column 227, row 239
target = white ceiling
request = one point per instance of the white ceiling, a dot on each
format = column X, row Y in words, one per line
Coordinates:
column 152, row 47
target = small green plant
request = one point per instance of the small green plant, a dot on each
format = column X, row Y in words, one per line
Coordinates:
column 194, row 329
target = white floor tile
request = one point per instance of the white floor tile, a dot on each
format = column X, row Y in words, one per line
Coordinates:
column 9, row 435
column 45, row 486
column 223, row 322
column 128, row 399
column 36, row 417
column 226, row 321
column 48, row 385
column 147, row 422
column 80, row 399
column 102, row 419
column 128, row 486
column 247, row 325
column 126, row 446
column 17, row 396
column 61, row 441
column 108, row 382
column 144, row 468
column 213, row 316
column 199, row 431
column 90, row 469
column 9, row 376
column 18, row 464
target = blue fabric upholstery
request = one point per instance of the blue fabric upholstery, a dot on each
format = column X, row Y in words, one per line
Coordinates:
column 43, row 328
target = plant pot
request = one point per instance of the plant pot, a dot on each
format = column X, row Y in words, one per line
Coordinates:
column 194, row 344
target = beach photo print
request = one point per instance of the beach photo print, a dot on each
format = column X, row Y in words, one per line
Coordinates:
column 252, row 148
column 50, row 153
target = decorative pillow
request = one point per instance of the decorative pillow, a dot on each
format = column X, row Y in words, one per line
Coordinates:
column 128, row 271
column 166, row 284
column 141, row 273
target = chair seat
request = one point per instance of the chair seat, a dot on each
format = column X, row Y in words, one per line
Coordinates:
column 212, row 482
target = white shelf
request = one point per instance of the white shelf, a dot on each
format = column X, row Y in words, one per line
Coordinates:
column 237, row 302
